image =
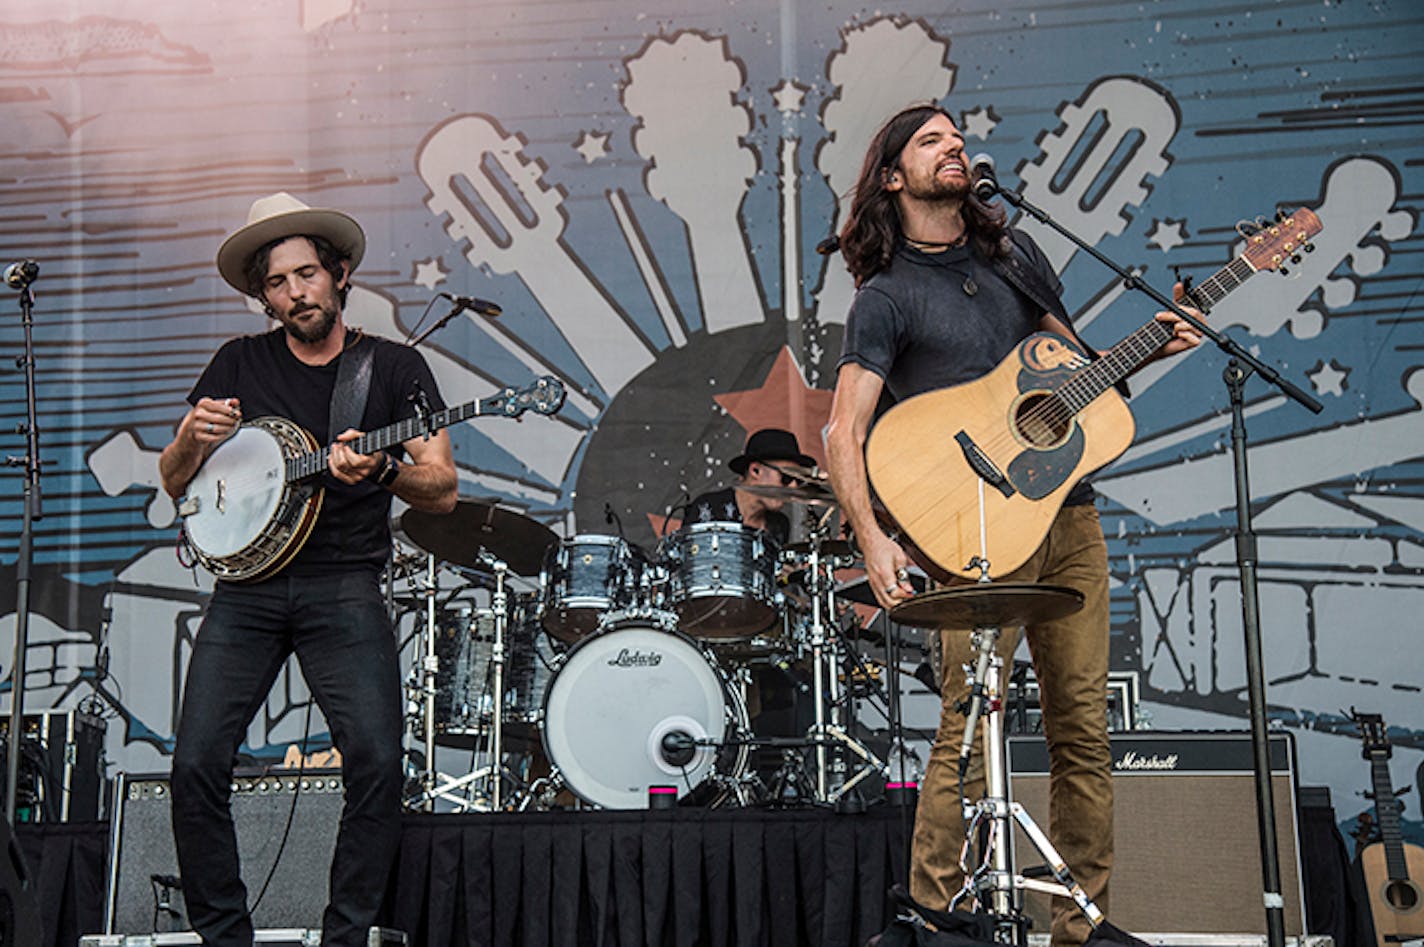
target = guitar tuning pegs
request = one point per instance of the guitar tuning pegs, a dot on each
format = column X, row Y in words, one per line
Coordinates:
column 1280, row 216
column 1285, row 271
column 1308, row 247
column 1295, row 257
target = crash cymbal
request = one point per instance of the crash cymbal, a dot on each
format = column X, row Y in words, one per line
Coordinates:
column 804, row 474
column 813, row 494
column 988, row 604
column 458, row 536
column 828, row 547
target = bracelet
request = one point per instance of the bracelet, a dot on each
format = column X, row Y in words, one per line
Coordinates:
column 389, row 473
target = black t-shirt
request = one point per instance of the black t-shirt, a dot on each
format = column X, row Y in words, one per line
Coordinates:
column 353, row 529
column 720, row 506
column 933, row 320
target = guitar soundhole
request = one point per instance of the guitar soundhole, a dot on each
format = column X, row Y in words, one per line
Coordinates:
column 1042, row 421
column 1401, row 895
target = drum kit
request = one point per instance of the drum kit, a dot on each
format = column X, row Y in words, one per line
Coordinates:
column 586, row 672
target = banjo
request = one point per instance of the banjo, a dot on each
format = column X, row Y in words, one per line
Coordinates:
column 254, row 501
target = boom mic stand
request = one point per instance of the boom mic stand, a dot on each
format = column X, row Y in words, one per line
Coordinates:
column 19, row 277
column 1240, row 367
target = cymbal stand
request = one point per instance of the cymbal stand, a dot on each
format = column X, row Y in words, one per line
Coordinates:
column 458, row 790
column 828, row 733
column 430, row 665
column 992, row 814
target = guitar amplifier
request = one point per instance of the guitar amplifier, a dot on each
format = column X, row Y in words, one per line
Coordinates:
column 1187, row 856
column 141, row 849
column 61, row 766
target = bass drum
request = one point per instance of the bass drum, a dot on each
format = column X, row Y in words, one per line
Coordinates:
column 623, row 709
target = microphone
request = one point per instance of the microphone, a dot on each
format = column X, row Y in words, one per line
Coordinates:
column 976, row 703
column 482, row 306
column 21, row 274
column 829, row 245
column 981, row 172
column 678, row 747
column 167, row 881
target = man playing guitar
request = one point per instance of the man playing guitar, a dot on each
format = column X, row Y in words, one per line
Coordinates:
column 323, row 601
column 934, row 309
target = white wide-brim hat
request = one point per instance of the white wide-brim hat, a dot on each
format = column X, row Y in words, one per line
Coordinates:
column 279, row 216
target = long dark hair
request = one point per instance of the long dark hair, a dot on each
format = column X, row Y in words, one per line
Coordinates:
column 872, row 228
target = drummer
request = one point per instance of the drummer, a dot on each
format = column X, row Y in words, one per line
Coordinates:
column 763, row 462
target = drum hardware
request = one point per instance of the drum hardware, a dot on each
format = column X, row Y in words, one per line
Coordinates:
column 826, row 645
column 987, row 607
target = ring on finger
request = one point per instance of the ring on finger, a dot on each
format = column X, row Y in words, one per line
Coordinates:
column 212, row 428
column 892, row 590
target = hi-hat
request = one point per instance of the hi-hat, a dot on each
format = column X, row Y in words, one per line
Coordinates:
column 988, row 605
column 458, row 536
column 813, row 494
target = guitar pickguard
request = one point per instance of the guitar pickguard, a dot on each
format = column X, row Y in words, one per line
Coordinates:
column 1037, row 473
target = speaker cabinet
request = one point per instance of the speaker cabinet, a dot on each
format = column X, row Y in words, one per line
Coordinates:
column 1187, row 857
column 141, row 846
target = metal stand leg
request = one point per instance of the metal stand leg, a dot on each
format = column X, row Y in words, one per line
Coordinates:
column 992, row 815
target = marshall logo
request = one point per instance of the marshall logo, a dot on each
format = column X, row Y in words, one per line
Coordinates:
column 636, row 659
column 1132, row 760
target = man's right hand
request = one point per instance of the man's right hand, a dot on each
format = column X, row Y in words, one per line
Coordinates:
column 213, row 420
column 887, row 569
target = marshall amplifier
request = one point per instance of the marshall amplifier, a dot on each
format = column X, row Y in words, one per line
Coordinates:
column 1187, row 854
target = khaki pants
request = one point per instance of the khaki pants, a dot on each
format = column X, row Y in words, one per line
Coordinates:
column 1070, row 660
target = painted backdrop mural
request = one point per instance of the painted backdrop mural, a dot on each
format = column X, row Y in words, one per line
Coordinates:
column 643, row 193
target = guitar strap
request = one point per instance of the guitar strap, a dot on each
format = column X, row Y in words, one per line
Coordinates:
column 353, row 387
column 1029, row 281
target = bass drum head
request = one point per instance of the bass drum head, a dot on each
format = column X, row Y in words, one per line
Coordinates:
column 612, row 702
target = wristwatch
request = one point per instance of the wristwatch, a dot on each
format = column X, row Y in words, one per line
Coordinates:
column 388, row 473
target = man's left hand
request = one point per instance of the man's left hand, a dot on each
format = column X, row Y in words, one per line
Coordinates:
column 348, row 466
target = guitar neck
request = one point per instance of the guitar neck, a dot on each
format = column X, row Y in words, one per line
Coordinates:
column 314, row 462
column 1128, row 355
column 1387, row 813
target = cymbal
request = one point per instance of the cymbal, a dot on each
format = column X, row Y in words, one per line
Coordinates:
column 458, row 536
column 827, row 547
column 988, row 604
column 812, row 494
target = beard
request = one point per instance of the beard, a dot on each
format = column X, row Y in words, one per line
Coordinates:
column 937, row 190
column 315, row 331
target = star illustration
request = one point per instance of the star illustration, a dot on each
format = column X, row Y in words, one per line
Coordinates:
column 788, row 96
column 1167, row 233
column 784, row 400
column 979, row 123
column 1329, row 378
column 592, row 145
column 428, row 273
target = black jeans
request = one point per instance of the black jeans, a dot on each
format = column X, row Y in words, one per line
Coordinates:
column 342, row 635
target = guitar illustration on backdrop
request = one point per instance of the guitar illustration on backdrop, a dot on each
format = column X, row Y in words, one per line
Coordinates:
column 1393, row 868
column 1017, row 440
column 255, row 500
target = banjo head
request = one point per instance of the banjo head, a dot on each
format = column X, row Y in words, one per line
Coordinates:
column 238, row 491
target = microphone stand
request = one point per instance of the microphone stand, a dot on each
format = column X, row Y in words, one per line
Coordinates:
column 32, row 512
column 1241, row 366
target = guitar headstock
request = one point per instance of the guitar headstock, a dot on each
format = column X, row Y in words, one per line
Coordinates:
column 544, row 396
column 1372, row 731
column 1273, row 245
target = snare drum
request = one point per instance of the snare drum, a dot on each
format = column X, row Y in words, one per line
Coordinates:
column 583, row 578
column 721, row 579
column 627, row 709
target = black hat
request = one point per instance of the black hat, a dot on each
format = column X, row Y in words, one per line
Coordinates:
column 770, row 444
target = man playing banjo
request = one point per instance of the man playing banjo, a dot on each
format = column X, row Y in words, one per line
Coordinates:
column 322, row 599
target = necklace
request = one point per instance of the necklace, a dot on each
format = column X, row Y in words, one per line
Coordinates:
column 959, row 241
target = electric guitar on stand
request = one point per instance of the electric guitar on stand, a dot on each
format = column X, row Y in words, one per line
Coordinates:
column 1393, row 868
column 986, row 465
column 255, row 500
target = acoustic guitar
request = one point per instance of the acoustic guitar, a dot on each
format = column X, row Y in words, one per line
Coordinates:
column 255, row 500
column 987, row 464
column 1393, row 868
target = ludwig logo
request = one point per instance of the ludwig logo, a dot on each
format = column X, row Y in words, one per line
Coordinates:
column 633, row 658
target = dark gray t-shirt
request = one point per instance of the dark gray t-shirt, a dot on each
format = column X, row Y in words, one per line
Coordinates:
column 932, row 320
